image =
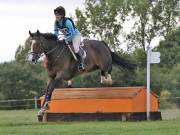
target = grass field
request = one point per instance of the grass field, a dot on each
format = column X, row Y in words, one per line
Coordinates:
column 24, row 122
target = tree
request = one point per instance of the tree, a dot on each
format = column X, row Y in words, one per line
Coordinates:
column 20, row 79
column 20, row 82
column 170, row 49
column 21, row 53
column 103, row 20
column 170, row 14
column 152, row 19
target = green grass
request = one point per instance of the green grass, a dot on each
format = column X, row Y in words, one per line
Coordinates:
column 24, row 122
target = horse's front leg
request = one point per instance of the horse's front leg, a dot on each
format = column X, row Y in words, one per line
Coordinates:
column 52, row 83
column 48, row 93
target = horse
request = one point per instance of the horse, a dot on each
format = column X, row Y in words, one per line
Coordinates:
column 63, row 66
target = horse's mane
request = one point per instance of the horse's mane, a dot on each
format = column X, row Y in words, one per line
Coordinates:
column 50, row 36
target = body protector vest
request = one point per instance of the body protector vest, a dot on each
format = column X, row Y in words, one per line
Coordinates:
column 64, row 29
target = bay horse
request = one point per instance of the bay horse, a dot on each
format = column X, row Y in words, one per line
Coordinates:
column 62, row 65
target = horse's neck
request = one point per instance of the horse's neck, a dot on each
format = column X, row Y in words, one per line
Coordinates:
column 49, row 45
column 55, row 52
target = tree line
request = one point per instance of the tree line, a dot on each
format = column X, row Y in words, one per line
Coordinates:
column 107, row 20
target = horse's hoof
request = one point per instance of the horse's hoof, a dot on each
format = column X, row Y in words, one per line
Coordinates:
column 40, row 118
column 40, row 115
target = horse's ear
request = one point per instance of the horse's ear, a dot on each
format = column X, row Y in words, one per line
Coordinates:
column 30, row 33
column 38, row 32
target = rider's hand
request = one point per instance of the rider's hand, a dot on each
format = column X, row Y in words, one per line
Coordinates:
column 65, row 42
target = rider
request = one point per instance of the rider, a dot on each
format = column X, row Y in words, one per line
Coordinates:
column 71, row 34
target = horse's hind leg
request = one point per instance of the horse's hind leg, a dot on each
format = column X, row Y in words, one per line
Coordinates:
column 109, row 77
column 69, row 84
column 106, row 78
column 103, row 77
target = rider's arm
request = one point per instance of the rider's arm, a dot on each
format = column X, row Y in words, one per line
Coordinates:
column 56, row 29
column 71, row 31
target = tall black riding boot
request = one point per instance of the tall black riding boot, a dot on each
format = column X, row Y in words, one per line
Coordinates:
column 81, row 65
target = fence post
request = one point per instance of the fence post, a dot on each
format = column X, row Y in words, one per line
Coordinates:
column 35, row 102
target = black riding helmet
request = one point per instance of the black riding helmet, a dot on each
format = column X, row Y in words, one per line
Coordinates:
column 60, row 11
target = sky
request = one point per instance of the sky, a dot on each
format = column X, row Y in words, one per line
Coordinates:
column 17, row 17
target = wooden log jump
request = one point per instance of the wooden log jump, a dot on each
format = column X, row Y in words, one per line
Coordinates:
column 109, row 103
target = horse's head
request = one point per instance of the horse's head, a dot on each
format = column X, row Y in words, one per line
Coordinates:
column 45, row 43
column 36, row 46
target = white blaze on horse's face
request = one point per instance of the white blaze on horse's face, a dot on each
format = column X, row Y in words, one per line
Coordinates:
column 30, row 53
column 33, row 41
column 35, row 50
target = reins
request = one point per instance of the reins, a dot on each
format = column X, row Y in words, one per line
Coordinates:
column 52, row 50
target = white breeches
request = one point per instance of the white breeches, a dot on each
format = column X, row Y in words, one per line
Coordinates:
column 76, row 42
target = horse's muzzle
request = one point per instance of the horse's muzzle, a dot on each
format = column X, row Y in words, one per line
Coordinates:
column 32, row 57
column 34, row 60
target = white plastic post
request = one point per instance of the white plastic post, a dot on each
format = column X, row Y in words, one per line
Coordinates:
column 148, row 82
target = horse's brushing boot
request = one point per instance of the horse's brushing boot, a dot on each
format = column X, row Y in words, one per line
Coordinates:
column 81, row 65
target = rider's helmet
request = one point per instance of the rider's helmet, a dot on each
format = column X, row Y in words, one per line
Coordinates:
column 60, row 11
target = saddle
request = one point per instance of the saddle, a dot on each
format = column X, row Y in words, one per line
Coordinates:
column 82, row 51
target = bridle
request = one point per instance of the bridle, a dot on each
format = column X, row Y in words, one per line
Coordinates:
column 38, row 55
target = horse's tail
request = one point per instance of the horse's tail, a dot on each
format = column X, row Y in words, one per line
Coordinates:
column 116, row 59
